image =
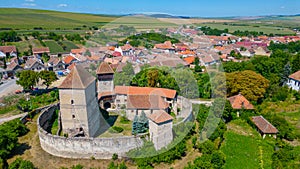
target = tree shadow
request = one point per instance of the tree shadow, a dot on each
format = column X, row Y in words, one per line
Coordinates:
column 20, row 150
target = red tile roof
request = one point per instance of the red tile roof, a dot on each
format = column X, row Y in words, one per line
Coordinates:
column 71, row 66
column 104, row 68
column 166, row 45
column 263, row 125
column 132, row 90
column 240, row 102
column 78, row 78
column 189, row 59
column 146, row 102
column 69, row 59
column 8, row 49
column 160, row 117
column 78, row 51
column 295, row 76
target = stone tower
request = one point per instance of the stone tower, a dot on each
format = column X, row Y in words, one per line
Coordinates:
column 105, row 75
column 161, row 129
column 79, row 108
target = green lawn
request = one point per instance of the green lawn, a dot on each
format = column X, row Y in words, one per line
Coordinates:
column 245, row 148
column 53, row 46
column 244, row 152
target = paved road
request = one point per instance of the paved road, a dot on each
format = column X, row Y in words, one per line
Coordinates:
column 8, row 87
column 5, row 119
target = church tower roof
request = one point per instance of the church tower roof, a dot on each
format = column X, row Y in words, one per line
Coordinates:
column 78, row 78
column 104, row 68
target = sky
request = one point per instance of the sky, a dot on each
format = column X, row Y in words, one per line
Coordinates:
column 194, row 8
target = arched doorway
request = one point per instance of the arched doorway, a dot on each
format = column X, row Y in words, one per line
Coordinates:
column 107, row 105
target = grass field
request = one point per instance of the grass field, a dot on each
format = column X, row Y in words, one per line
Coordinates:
column 53, row 46
column 246, row 151
column 29, row 18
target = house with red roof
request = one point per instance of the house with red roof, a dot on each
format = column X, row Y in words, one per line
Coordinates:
column 8, row 51
column 294, row 81
column 264, row 127
column 240, row 102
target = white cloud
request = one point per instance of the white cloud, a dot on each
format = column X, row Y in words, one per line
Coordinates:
column 29, row 4
column 62, row 5
column 29, row 0
column 282, row 7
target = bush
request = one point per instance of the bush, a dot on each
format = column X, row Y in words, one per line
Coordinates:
column 21, row 164
column 78, row 166
column 116, row 129
column 115, row 156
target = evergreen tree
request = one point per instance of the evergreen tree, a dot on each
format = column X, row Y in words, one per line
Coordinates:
column 285, row 74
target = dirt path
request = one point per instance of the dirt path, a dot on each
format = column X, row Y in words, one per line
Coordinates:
column 6, row 119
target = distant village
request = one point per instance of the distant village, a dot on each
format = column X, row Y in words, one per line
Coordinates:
column 209, row 49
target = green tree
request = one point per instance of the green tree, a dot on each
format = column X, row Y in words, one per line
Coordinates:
column 218, row 159
column 27, row 79
column 21, row 164
column 45, row 57
column 250, row 84
column 48, row 77
column 285, row 74
column 125, row 77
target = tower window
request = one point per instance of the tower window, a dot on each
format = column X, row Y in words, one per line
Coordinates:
column 73, row 116
column 72, row 102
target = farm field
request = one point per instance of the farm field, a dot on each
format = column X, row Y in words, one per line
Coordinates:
column 249, row 27
column 69, row 45
column 53, row 46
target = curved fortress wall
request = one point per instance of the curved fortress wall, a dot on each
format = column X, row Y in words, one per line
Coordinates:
column 99, row 148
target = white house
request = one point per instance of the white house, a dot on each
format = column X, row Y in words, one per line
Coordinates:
column 294, row 81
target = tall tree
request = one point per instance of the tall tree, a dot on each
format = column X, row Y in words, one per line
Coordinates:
column 48, row 76
column 285, row 74
column 250, row 84
column 27, row 79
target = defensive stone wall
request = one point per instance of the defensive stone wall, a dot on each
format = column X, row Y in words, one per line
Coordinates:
column 98, row 148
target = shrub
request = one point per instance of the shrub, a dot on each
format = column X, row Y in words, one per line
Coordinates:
column 115, row 156
column 21, row 164
column 78, row 166
column 116, row 129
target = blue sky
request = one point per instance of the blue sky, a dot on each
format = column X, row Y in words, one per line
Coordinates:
column 207, row 8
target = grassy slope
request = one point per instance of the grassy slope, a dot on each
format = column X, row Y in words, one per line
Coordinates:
column 246, row 149
column 29, row 18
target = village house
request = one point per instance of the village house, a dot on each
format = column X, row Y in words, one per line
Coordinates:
column 38, row 52
column 264, row 127
column 55, row 64
column 294, row 81
column 68, row 60
column 8, row 51
column 34, row 64
column 166, row 47
column 239, row 102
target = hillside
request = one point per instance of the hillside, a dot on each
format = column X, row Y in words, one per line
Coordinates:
column 18, row 18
